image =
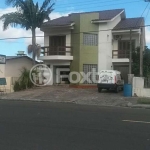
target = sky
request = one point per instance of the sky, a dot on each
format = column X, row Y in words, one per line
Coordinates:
column 133, row 8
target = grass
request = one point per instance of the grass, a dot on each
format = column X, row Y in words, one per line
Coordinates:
column 143, row 101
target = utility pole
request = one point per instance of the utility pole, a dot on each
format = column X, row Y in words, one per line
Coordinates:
column 141, row 53
column 130, row 57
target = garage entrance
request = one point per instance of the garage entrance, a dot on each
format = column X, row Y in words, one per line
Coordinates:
column 124, row 71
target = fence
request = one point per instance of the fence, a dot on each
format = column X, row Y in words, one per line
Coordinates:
column 146, row 82
column 13, row 80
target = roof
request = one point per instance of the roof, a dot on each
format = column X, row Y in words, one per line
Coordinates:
column 128, row 23
column 103, row 15
column 109, row 14
column 62, row 21
column 16, row 57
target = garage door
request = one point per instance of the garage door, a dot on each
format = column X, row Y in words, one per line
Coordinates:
column 124, row 71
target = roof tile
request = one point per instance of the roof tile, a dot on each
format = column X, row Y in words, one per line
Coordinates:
column 129, row 23
column 66, row 20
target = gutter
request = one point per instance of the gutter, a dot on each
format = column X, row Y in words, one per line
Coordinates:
column 63, row 26
column 128, row 30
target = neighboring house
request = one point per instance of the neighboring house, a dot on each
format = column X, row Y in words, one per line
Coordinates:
column 90, row 42
column 11, row 70
column 14, row 65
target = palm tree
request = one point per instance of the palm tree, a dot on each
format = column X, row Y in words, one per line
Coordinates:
column 29, row 16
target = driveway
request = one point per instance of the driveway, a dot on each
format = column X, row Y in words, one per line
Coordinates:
column 74, row 95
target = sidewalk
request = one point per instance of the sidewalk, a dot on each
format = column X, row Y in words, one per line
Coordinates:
column 73, row 95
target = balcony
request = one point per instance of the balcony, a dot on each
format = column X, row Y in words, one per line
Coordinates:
column 120, row 55
column 56, row 53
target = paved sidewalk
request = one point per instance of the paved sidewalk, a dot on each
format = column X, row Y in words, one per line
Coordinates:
column 75, row 95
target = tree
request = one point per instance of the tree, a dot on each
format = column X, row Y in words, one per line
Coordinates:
column 136, row 62
column 29, row 16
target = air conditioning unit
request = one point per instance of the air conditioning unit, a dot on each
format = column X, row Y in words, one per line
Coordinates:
column 117, row 37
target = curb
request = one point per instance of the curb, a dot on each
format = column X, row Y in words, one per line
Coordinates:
column 35, row 100
column 129, row 105
column 73, row 102
column 141, row 106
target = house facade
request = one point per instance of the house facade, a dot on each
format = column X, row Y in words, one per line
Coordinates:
column 11, row 69
column 90, row 42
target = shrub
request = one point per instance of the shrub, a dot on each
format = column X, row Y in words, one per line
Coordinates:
column 17, row 86
column 24, row 81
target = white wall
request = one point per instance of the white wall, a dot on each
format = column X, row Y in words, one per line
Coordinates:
column 138, row 88
column 105, row 44
column 14, row 66
column 55, row 63
column 127, row 37
column 57, row 32
column 67, row 33
column 2, row 70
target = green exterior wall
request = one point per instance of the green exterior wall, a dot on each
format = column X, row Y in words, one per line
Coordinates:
column 83, row 54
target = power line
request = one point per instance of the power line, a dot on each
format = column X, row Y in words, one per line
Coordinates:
column 144, row 9
column 147, row 13
column 80, row 4
column 87, row 2
column 74, row 33
column 142, row 13
column 99, row 6
column 105, row 5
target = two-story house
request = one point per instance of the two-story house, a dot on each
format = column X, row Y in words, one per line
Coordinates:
column 90, row 42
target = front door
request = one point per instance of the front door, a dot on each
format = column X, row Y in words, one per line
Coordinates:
column 57, row 45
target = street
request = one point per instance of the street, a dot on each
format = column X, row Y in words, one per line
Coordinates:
column 26, row 125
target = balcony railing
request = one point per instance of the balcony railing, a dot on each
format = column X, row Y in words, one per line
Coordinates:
column 120, row 54
column 59, row 50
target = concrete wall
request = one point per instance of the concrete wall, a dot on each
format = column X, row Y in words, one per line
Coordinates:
column 14, row 66
column 2, row 70
column 105, row 44
column 83, row 54
column 138, row 88
column 127, row 37
column 53, row 64
column 8, row 88
column 75, row 42
column 58, row 32
column 88, row 54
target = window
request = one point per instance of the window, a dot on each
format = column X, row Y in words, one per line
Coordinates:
column 93, row 69
column 125, row 45
column 90, row 39
column 55, row 42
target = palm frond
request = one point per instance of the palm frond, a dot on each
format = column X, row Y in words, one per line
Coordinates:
column 9, row 2
column 14, row 19
column 46, row 4
column 14, row 3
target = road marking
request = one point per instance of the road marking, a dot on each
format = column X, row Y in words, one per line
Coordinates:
column 136, row 121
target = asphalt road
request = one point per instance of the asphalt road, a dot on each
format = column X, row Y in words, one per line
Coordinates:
column 60, row 126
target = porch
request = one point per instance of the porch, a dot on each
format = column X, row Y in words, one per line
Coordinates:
column 56, row 53
column 121, row 44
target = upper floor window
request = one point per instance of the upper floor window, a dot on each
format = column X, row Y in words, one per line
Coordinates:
column 125, row 45
column 90, row 39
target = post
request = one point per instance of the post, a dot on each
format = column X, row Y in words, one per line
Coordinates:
column 130, row 58
column 141, row 53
